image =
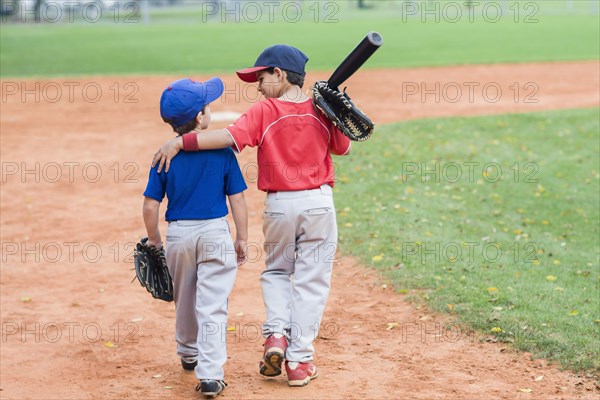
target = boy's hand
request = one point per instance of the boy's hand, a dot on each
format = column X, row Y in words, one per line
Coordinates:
column 166, row 153
column 156, row 244
column 241, row 248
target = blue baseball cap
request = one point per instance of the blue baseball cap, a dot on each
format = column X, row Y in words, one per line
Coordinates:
column 282, row 56
column 182, row 100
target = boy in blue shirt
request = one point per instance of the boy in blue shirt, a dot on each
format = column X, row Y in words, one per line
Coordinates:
column 201, row 256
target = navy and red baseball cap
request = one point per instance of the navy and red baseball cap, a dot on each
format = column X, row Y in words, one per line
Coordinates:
column 282, row 56
column 183, row 99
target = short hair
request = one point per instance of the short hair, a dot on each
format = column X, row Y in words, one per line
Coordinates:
column 292, row 77
column 295, row 79
column 187, row 127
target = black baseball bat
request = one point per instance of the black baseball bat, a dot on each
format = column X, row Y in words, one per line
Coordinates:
column 355, row 59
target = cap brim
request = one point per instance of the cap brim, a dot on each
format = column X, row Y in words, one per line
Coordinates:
column 214, row 89
column 249, row 74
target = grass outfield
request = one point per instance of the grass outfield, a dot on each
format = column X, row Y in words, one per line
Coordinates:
column 492, row 219
column 66, row 49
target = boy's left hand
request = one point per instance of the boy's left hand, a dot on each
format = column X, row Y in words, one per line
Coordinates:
column 156, row 244
column 166, row 153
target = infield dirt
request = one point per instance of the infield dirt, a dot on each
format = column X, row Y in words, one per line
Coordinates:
column 74, row 168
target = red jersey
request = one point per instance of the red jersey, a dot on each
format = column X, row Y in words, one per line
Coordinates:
column 294, row 144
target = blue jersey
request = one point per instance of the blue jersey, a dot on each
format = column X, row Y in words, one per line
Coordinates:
column 196, row 184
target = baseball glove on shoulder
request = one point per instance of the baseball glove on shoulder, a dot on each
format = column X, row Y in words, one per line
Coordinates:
column 341, row 111
column 151, row 270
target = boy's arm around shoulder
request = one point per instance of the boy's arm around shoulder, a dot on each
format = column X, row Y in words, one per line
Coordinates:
column 150, row 212
column 214, row 139
column 208, row 140
column 240, row 218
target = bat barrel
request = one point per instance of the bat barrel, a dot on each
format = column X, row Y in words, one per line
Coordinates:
column 356, row 59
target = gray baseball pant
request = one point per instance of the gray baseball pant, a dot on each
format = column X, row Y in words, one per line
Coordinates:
column 300, row 232
column 202, row 262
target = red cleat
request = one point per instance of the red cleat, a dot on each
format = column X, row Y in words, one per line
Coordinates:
column 273, row 355
column 301, row 374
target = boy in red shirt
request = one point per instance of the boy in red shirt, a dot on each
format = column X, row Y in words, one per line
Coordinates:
column 296, row 170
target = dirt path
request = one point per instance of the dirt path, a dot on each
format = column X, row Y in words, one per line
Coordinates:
column 73, row 170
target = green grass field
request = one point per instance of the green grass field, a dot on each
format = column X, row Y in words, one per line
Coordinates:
column 493, row 219
column 118, row 48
